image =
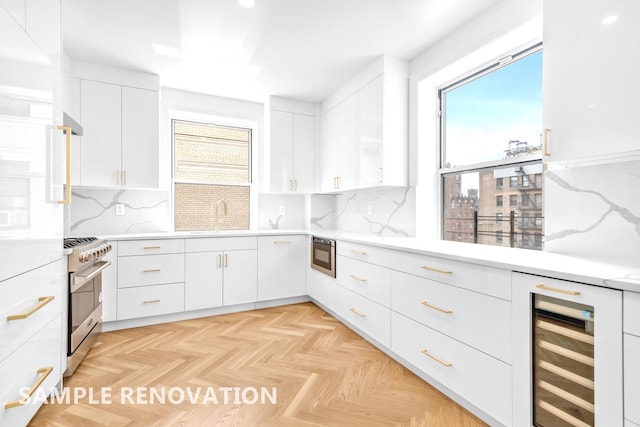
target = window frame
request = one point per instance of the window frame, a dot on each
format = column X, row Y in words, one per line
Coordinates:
column 444, row 171
column 222, row 121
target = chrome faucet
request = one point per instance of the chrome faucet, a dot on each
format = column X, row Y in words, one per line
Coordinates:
column 224, row 206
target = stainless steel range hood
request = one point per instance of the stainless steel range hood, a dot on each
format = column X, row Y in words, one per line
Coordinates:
column 67, row 121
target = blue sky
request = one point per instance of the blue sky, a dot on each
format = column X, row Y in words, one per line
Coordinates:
column 484, row 114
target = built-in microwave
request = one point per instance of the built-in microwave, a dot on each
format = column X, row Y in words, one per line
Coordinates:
column 323, row 255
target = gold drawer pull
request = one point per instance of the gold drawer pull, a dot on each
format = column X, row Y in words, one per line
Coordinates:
column 425, row 267
column 443, row 310
column 437, row 359
column 562, row 291
column 45, row 372
column 155, row 270
column 356, row 312
column 278, row 242
column 42, row 301
column 151, row 301
column 359, row 279
column 152, row 247
column 353, row 251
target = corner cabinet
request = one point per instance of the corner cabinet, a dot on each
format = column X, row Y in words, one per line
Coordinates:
column 292, row 168
column 364, row 133
column 590, row 85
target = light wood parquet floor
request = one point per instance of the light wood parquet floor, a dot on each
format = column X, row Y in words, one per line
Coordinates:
column 324, row 374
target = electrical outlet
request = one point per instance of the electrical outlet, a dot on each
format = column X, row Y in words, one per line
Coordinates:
column 282, row 210
column 119, row 209
column 370, row 210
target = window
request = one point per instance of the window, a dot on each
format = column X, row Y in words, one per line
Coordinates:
column 538, row 201
column 211, row 176
column 499, row 237
column 490, row 125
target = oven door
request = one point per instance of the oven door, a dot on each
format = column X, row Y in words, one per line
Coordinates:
column 85, row 302
column 323, row 256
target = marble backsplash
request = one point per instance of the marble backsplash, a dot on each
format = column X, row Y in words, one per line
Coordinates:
column 594, row 211
column 282, row 211
column 380, row 212
column 93, row 212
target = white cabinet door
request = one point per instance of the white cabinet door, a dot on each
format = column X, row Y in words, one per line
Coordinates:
column 101, row 140
column 203, row 280
column 240, row 277
column 140, row 138
column 329, row 151
column 281, row 266
column 347, row 148
column 632, row 378
column 590, row 78
column 304, row 130
column 281, row 151
column 369, row 124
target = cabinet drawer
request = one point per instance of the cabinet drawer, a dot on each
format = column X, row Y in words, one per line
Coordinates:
column 39, row 356
column 631, row 378
column 372, row 254
column 481, row 321
column 366, row 315
column 150, row 247
column 150, row 270
column 368, row 280
column 473, row 375
column 321, row 288
column 36, row 296
column 150, row 300
column 209, row 244
column 475, row 277
column 631, row 312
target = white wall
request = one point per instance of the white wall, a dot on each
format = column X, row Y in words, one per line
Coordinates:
column 507, row 27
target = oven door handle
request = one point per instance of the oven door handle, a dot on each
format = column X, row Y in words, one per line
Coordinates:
column 79, row 281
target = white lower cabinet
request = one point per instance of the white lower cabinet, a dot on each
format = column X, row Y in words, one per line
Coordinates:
column 154, row 300
column 321, row 288
column 203, row 280
column 35, row 360
column 281, row 266
column 369, row 280
column 145, row 270
column 368, row 316
column 475, row 376
column 240, row 278
column 481, row 321
column 632, row 378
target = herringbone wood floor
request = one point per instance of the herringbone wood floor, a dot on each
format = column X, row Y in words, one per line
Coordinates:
column 325, row 375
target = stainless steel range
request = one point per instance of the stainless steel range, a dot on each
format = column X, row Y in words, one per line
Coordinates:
column 85, row 296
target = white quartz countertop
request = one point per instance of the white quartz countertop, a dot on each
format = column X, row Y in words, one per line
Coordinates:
column 602, row 272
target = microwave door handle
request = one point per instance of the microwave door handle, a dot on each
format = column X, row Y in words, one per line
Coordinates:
column 79, row 281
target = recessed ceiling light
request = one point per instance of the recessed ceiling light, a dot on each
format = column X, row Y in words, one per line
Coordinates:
column 609, row 20
column 247, row 3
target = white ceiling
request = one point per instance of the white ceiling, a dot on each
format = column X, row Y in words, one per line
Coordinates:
column 301, row 49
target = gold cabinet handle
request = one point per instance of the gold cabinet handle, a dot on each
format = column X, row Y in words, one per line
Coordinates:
column 359, row 279
column 44, row 373
column 290, row 185
column 436, row 358
column 435, row 307
column 155, row 270
column 355, row 252
column 118, row 177
column 151, row 247
column 425, row 267
column 380, row 175
column 562, row 291
column 42, row 301
column 219, row 261
column 295, row 185
column 545, row 142
column 226, row 260
column 356, row 312
column 151, row 301
column 124, row 177
column 67, row 189
column 281, row 242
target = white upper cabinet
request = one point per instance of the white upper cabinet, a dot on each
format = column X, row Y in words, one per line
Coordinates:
column 590, row 80
column 140, row 137
column 119, row 111
column 101, row 151
column 292, row 165
column 364, row 130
